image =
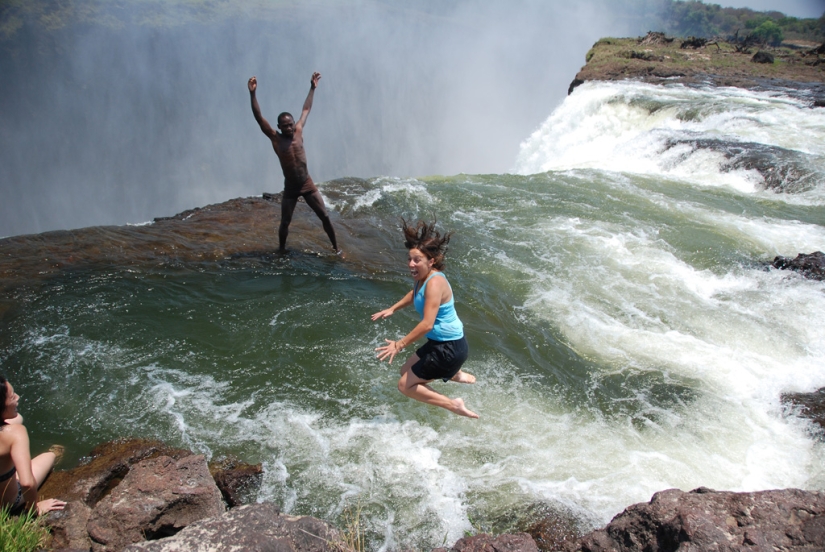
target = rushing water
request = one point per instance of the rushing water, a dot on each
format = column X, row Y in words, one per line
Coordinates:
column 625, row 332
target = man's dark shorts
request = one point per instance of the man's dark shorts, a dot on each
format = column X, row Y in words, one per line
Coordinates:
column 294, row 190
column 440, row 359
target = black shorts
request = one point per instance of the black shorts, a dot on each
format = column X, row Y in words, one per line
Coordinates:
column 440, row 359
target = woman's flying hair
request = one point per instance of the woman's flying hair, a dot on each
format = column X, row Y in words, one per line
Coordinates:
column 427, row 239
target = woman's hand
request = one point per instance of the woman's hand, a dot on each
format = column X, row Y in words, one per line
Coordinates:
column 49, row 505
column 391, row 349
column 386, row 313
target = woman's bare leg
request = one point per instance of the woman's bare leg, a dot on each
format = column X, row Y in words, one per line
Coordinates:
column 42, row 465
column 416, row 388
column 463, row 377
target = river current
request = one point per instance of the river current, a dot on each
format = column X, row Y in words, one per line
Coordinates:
column 625, row 330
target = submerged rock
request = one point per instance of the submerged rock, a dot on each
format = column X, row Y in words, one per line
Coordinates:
column 809, row 265
column 810, row 405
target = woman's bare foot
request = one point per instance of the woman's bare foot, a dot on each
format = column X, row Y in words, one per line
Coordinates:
column 58, row 451
column 463, row 377
column 461, row 410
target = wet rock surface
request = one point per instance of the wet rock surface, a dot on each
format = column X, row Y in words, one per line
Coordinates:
column 809, row 405
column 238, row 481
column 810, row 265
column 238, row 231
column 781, row 170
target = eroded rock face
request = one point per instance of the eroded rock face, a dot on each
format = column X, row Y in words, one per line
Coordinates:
column 107, row 465
column 91, row 487
column 790, row 520
column 259, row 527
column 237, row 481
column 156, row 499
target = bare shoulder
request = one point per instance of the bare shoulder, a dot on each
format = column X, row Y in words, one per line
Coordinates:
column 10, row 432
column 436, row 284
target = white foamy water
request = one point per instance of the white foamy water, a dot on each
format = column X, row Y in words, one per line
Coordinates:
column 652, row 130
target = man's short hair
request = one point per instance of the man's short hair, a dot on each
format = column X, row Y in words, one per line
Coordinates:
column 285, row 114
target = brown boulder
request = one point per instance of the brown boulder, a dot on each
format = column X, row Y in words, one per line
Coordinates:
column 259, row 527
column 792, row 520
column 157, row 498
column 68, row 527
column 518, row 542
column 104, row 468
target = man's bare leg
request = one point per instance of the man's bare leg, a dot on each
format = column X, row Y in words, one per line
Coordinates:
column 416, row 388
column 316, row 203
column 287, row 208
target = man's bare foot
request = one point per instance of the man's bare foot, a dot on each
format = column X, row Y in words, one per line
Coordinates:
column 461, row 410
column 340, row 253
column 463, row 377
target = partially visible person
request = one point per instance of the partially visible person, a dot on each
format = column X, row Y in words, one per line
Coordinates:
column 20, row 474
column 446, row 348
column 289, row 146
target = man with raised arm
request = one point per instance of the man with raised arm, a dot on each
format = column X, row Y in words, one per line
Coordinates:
column 289, row 146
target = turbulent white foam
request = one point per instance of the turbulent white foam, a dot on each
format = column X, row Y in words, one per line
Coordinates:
column 635, row 128
column 390, row 185
column 743, row 337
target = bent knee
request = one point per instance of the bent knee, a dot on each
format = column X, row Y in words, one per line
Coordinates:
column 404, row 386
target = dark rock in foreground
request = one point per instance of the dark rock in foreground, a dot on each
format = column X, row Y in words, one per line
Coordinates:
column 809, row 265
column 132, row 490
column 156, row 499
column 259, row 527
column 520, row 542
column 790, row 520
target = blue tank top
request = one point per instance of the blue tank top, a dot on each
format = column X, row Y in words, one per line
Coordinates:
column 447, row 325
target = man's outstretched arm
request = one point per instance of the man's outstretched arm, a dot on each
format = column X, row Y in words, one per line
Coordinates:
column 313, row 84
column 266, row 128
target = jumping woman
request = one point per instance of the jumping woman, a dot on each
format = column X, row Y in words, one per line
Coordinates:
column 446, row 348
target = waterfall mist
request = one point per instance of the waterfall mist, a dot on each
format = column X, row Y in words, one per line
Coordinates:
column 142, row 111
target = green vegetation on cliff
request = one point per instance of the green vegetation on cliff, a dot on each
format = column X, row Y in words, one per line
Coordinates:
column 693, row 18
column 674, row 17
